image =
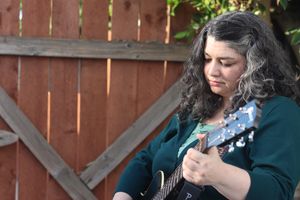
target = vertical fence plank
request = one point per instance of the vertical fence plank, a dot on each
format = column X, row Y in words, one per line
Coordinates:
column 174, row 69
column 178, row 23
column 93, row 90
column 151, row 75
column 9, row 12
column 33, row 98
column 123, row 80
column 63, row 89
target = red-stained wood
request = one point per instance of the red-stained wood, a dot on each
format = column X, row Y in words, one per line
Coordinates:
column 173, row 71
column 153, row 16
column 151, row 75
column 121, row 107
column 33, row 98
column 63, row 80
column 93, row 90
column 178, row 23
column 9, row 73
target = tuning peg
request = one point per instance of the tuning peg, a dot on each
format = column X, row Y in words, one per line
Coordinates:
column 242, row 126
column 233, row 116
column 250, row 136
column 231, row 147
column 231, row 132
column 240, row 142
column 222, row 123
column 242, row 109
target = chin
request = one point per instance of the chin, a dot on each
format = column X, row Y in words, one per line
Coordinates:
column 216, row 91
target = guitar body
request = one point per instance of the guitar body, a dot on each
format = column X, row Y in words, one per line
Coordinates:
column 155, row 185
column 183, row 189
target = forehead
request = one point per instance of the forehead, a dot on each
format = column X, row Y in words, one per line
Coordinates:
column 217, row 48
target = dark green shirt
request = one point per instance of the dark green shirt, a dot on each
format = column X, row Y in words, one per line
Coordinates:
column 271, row 160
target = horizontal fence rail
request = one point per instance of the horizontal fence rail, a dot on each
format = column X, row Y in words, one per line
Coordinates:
column 71, row 48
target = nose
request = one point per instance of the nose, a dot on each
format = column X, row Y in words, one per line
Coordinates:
column 213, row 68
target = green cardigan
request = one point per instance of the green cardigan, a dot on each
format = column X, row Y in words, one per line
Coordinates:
column 271, row 160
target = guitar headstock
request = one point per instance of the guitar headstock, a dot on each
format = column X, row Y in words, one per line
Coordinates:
column 234, row 127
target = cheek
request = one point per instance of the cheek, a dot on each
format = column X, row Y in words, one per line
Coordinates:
column 205, row 71
column 233, row 77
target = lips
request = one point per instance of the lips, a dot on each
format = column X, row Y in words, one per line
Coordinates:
column 215, row 83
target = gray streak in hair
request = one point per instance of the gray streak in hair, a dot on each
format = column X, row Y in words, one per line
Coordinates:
column 268, row 69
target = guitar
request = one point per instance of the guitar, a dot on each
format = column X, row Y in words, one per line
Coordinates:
column 232, row 130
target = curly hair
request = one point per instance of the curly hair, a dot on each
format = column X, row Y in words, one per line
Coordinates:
column 268, row 70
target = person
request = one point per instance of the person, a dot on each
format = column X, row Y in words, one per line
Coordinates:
column 234, row 59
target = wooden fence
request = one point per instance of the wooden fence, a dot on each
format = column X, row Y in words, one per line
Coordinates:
column 76, row 79
column 81, row 90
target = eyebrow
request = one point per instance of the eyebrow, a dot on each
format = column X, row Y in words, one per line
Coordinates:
column 221, row 58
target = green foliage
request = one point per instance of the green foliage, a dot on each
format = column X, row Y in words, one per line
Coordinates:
column 295, row 35
column 283, row 3
column 174, row 4
column 294, row 32
column 205, row 10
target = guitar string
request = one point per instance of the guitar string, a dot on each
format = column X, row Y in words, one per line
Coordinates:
column 177, row 175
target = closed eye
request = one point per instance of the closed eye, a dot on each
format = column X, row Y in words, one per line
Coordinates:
column 206, row 60
column 227, row 64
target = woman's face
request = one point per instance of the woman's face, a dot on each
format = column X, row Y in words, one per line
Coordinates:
column 223, row 67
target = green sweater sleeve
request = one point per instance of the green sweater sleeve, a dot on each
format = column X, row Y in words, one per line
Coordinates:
column 138, row 173
column 275, row 168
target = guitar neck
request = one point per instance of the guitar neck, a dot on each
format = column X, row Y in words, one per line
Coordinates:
column 235, row 126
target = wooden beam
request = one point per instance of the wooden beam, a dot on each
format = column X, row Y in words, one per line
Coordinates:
column 7, row 138
column 41, row 149
column 97, row 49
column 132, row 137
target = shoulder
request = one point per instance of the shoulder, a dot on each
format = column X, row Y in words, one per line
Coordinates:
column 280, row 104
column 280, row 110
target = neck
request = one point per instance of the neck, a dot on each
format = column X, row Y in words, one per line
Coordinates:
column 226, row 103
column 219, row 114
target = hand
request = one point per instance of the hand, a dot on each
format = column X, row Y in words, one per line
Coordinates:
column 200, row 168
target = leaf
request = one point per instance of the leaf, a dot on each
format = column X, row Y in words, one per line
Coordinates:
column 261, row 7
column 181, row 35
column 173, row 5
column 283, row 3
column 296, row 38
column 196, row 26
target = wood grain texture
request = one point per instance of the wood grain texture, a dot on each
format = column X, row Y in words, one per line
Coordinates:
column 122, row 96
column 37, row 144
column 96, row 49
column 132, row 137
column 9, row 12
column 63, row 80
column 7, row 138
column 33, row 97
column 93, row 90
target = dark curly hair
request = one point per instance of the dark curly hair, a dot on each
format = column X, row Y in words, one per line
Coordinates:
column 268, row 69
